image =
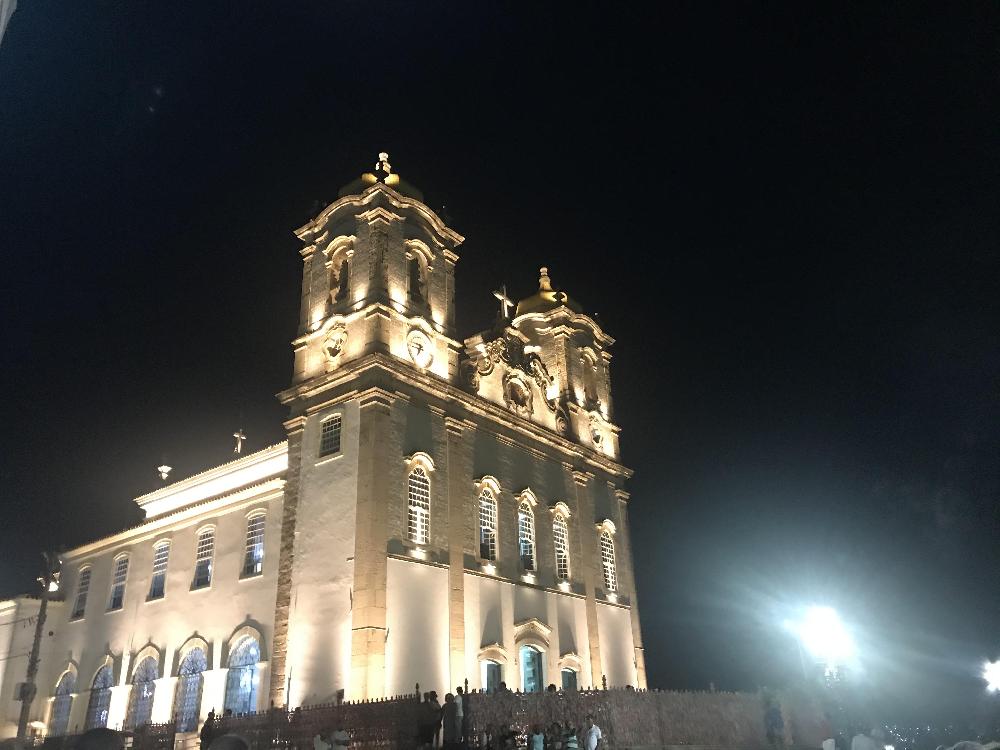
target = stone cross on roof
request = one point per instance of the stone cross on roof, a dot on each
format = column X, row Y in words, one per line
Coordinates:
column 505, row 302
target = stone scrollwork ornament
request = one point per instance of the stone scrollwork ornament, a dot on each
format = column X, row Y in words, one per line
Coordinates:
column 333, row 345
column 517, row 394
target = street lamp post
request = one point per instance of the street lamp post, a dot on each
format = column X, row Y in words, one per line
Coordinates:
column 28, row 688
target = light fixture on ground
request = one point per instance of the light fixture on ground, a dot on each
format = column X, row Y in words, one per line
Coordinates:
column 991, row 673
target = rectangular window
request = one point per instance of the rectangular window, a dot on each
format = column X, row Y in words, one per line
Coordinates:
column 253, row 561
column 203, row 559
column 82, row 587
column 157, row 584
column 329, row 436
column 118, row 584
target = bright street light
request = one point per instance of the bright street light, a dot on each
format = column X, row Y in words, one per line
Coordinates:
column 822, row 633
column 991, row 673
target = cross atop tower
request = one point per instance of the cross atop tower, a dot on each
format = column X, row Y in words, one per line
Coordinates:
column 382, row 167
column 505, row 302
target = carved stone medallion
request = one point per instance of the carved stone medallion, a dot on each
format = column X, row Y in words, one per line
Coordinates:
column 420, row 348
column 335, row 342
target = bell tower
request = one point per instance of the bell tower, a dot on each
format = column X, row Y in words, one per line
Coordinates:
column 378, row 276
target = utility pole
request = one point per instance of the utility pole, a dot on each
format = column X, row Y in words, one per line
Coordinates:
column 28, row 689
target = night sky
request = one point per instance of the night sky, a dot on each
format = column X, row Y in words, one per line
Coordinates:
column 789, row 222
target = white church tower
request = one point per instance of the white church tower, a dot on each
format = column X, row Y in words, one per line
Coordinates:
column 452, row 510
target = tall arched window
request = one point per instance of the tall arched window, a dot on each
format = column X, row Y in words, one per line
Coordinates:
column 140, row 700
column 340, row 277
column 158, row 581
column 62, row 704
column 82, row 589
column 608, row 561
column 487, row 524
column 241, row 681
column 187, row 699
column 100, row 698
column 119, row 575
column 560, row 539
column 419, row 499
column 203, row 559
column 526, row 535
column 253, row 558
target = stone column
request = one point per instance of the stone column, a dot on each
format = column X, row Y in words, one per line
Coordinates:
column 587, row 565
column 286, row 560
column 163, row 700
column 459, row 487
column 368, row 616
column 213, row 692
column 627, row 572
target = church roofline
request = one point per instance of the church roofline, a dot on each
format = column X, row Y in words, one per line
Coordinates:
column 396, row 199
column 240, row 472
column 248, row 494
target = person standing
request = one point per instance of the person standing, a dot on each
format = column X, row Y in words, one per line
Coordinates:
column 460, row 714
column 207, row 733
column 340, row 739
column 591, row 735
column 451, row 724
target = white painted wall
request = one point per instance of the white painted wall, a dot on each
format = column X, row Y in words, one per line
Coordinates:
column 16, row 635
column 616, row 645
column 417, row 619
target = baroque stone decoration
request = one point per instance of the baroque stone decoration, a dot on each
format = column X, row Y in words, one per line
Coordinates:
column 335, row 342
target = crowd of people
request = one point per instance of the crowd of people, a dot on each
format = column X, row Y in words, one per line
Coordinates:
column 447, row 727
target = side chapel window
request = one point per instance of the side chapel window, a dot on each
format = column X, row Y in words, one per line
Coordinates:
column 82, row 589
column 118, row 578
column 203, row 559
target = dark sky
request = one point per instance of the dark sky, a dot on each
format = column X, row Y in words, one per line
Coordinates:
column 789, row 222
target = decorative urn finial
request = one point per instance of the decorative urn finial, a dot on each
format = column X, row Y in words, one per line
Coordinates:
column 382, row 167
column 544, row 284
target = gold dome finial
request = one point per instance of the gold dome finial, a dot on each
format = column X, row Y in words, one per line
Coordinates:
column 544, row 284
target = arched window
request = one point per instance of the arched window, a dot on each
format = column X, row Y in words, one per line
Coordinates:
column 140, row 700
column 100, row 698
column 119, row 575
column 187, row 699
column 253, row 558
column 532, row 677
column 560, row 539
column 608, row 561
column 526, row 535
column 417, row 280
column 241, row 681
column 203, row 559
column 487, row 524
column 340, row 278
column 82, row 589
column 419, row 499
column 158, row 581
column 62, row 704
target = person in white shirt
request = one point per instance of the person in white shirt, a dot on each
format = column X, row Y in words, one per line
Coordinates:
column 592, row 735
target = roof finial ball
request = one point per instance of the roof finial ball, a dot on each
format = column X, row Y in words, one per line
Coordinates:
column 382, row 167
column 544, row 284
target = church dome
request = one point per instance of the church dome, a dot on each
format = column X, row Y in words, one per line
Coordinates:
column 546, row 298
column 383, row 173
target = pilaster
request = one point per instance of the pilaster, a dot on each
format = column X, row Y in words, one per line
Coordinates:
column 286, row 559
column 459, row 472
column 584, row 528
column 368, row 617
column 625, row 565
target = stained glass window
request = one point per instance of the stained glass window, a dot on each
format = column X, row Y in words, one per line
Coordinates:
column 62, row 704
column 187, row 699
column 140, row 699
column 100, row 698
column 241, row 681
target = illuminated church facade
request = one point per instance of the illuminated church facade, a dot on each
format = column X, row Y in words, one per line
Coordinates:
column 441, row 510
